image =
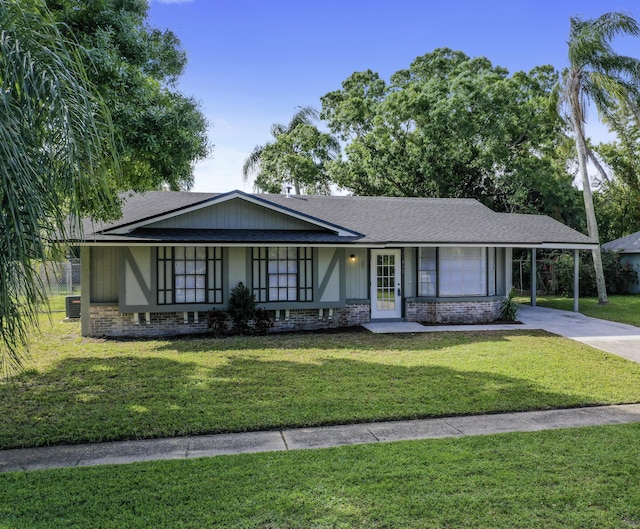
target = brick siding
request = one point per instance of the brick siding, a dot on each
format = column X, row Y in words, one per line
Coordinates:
column 107, row 320
column 466, row 312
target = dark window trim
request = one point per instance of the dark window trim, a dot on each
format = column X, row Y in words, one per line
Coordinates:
column 260, row 267
column 488, row 271
column 166, row 256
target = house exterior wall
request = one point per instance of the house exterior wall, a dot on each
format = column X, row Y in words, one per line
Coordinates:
column 136, row 287
column 235, row 214
column 356, row 273
column 634, row 260
column 340, row 294
column 410, row 273
column 105, row 274
column 454, row 310
column 107, row 320
column 329, row 273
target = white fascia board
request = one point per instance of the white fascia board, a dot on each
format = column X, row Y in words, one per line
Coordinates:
column 338, row 230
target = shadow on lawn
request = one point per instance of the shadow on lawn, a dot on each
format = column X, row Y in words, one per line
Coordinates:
column 91, row 399
column 359, row 340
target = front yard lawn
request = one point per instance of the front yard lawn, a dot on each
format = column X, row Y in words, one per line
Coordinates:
column 77, row 390
column 560, row 479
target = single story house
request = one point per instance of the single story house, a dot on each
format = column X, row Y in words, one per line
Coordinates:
column 312, row 261
column 629, row 249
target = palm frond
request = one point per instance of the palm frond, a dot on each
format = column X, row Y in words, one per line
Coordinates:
column 252, row 163
column 56, row 161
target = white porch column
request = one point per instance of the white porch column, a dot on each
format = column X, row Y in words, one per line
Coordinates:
column 576, row 279
column 534, row 278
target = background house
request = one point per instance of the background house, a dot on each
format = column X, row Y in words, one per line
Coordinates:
column 629, row 248
column 311, row 261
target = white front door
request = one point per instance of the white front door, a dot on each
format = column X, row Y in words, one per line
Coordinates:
column 386, row 284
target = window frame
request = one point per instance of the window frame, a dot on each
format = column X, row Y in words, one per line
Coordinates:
column 265, row 266
column 167, row 274
column 488, row 264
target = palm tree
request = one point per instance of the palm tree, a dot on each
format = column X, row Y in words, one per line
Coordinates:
column 610, row 80
column 56, row 144
column 295, row 158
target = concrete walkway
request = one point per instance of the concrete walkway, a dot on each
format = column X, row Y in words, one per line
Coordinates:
column 307, row 438
column 617, row 338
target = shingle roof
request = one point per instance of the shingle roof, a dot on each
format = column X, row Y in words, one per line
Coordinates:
column 380, row 220
column 628, row 244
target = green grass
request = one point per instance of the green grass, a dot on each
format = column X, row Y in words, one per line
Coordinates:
column 578, row 478
column 623, row 309
column 77, row 390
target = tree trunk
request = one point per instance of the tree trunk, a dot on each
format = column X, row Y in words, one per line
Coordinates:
column 592, row 225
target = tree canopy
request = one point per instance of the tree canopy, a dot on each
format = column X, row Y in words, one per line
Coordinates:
column 161, row 133
column 56, row 145
column 617, row 200
column 453, row 126
column 296, row 157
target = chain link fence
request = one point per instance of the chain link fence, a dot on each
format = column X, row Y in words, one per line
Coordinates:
column 61, row 277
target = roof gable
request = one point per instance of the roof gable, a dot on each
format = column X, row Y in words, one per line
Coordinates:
column 234, row 210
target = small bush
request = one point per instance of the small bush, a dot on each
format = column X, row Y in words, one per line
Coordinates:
column 509, row 309
column 217, row 322
column 261, row 322
column 246, row 317
column 241, row 308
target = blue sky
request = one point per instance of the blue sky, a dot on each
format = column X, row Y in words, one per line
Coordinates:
column 251, row 62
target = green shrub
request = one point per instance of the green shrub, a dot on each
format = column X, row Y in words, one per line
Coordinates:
column 509, row 309
column 217, row 322
column 246, row 317
column 619, row 277
column 241, row 308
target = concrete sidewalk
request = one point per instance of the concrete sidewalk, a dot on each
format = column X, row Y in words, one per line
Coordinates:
column 307, row 438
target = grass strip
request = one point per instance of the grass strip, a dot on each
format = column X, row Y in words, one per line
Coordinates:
column 575, row 478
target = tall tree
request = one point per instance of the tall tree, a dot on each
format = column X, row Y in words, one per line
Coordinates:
column 296, row 157
column 55, row 162
column 161, row 132
column 596, row 73
column 617, row 201
column 453, row 126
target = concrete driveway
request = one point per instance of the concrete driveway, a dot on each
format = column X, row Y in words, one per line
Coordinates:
column 617, row 338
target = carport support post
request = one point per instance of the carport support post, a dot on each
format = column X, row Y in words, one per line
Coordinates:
column 534, row 277
column 576, row 279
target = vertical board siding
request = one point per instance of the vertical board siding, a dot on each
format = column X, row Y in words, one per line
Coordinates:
column 105, row 277
column 237, row 269
column 234, row 215
column 409, row 287
column 356, row 274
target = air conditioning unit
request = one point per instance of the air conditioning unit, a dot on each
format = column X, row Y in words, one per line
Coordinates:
column 72, row 305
